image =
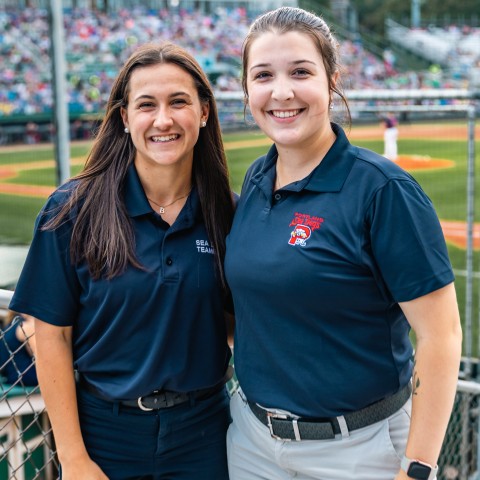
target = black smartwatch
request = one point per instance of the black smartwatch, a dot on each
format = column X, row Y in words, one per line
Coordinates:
column 418, row 470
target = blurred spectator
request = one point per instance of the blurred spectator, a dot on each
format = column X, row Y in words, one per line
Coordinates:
column 17, row 349
column 79, row 131
column 389, row 62
column 32, row 135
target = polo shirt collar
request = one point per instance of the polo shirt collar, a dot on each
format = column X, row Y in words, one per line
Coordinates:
column 134, row 196
column 329, row 176
column 137, row 204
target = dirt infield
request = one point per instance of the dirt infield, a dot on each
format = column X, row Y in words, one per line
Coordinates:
column 442, row 131
column 8, row 172
column 421, row 162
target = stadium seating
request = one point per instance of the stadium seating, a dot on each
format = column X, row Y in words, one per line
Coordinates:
column 97, row 44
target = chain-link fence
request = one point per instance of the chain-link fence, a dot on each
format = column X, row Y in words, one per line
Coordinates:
column 459, row 457
column 27, row 449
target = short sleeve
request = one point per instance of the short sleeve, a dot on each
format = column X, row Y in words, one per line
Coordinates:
column 48, row 287
column 407, row 241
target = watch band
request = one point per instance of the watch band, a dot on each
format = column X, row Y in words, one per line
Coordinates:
column 417, row 469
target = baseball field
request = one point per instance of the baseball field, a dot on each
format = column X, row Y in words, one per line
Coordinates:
column 435, row 154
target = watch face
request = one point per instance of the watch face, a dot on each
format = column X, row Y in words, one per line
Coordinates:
column 419, row 471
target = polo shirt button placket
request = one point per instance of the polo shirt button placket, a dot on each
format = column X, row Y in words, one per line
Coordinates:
column 169, row 261
column 277, row 197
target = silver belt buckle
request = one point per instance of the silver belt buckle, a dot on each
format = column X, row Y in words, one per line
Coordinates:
column 141, row 406
column 280, row 416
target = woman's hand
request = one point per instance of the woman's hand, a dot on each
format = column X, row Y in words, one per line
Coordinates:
column 82, row 469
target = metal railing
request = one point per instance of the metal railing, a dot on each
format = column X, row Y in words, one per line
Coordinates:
column 27, row 450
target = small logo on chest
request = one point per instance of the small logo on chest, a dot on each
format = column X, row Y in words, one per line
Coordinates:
column 204, row 247
column 304, row 225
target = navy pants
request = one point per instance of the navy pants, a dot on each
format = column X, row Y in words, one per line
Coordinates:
column 185, row 442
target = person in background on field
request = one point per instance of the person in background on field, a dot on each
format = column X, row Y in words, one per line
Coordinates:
column 32, row 135
column 17, row 351
column 132, row 352
column 334, row 254
column 390, row 137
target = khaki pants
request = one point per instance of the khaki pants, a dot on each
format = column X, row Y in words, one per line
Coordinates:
column 370, row 453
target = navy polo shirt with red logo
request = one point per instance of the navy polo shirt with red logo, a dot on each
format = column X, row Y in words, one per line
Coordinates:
column 158, row 328
column 317, row 269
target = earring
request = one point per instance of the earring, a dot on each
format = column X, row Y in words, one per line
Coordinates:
column 126, row 130
column 331, row 106
column 204, row 123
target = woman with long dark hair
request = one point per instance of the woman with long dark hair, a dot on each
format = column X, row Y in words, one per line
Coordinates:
column 124, row 278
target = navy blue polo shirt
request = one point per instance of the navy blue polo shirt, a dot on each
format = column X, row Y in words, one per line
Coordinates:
column 158, row 328
column 317, row 269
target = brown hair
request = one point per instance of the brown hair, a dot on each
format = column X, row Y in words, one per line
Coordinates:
column 103, row 235
column 292, row 19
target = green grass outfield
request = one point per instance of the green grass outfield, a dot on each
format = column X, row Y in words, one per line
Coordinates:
column 446, row 187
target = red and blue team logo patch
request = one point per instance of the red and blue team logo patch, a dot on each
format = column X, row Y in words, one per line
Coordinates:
column 304, row 225
column 300, row 235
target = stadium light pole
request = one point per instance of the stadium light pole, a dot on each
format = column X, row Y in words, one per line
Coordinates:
column 415, row 14
column 60, row 116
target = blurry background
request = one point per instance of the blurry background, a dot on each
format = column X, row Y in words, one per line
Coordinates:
column 418, row 61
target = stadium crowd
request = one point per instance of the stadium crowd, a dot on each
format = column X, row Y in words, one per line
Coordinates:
column 97, row 43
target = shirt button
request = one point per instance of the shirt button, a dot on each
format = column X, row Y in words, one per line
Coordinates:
column 278, row 196
column 169, row 261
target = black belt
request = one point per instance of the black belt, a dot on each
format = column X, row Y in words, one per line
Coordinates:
column 286, row 427
column 160, row 398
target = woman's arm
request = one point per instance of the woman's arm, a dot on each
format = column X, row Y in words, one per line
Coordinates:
column 436, row 322
column 230, row 321
column 54, row 362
